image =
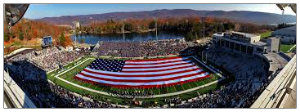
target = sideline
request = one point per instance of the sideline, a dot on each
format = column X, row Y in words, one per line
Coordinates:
column 291, row 48
column 208, row 67
column 65, row 65
column 56, row 75
column 151, row 96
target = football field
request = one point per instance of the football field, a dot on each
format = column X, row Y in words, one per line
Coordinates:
column 65, row 78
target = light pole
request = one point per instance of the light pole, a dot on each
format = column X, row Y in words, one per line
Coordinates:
column 203, row 21
column 156, row 29
column 123, row 30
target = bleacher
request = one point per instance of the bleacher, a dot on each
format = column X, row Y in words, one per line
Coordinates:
column 14, row 95
column 277, row 94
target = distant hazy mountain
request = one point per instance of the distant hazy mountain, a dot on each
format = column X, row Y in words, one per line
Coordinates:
column 241, row 16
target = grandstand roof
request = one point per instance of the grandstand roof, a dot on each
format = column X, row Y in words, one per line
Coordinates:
column 247, row 35
column 18, row 51
column 284, row 31
column 259, row 43
column 218, row 34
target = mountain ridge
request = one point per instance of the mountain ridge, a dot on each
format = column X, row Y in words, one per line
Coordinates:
column 240, row 16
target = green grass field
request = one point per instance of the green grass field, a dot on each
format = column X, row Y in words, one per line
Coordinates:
column 69, row 76
column 285, row 48
column 265, row 34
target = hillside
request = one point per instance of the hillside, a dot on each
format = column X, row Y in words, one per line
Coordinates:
column 241, row 16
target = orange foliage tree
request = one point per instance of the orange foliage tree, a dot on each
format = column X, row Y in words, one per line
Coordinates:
column 30, row 29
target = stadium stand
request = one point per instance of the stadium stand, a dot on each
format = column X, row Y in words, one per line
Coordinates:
column 250, row 74
column 31, row 79
column 141, row 49
column 250, row 81
column 14, row 96
column 48, row 59
column 278, row 91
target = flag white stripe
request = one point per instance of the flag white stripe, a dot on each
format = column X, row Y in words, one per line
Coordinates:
column 142, row 78
column 158, row 68
column 148, row 62
column 142, row 83
column 168, row 69
column 155, row 65
column 143, row 73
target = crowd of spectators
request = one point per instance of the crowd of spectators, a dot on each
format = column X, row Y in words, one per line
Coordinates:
column 75, row 100
column 238, row 94
column 29, row 71
column 141, row 49
column 130, row 94
column 50, row 58
column 47, row 95
column 249, row 82
column 32, row 80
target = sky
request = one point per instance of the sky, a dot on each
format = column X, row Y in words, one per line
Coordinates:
column 37, row 11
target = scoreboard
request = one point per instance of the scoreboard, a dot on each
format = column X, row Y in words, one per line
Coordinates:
column 47, row 41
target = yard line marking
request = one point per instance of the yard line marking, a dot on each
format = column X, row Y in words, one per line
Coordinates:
column 291, row 48
column 56, row 75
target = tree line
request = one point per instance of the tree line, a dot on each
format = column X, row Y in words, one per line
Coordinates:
column 190, row 27
column 32, row 31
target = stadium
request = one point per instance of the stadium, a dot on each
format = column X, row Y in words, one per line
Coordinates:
column 230, row 69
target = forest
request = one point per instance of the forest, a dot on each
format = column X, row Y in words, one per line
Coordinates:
column 191, row 27
column 29, row 32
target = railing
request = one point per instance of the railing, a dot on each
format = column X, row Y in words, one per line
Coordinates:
column 275, row 95
column 15, row 95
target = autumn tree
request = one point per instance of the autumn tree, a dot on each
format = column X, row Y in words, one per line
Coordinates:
column 191, row 27
column 82, row 40
column 28, row 29
column 152, row 25
column 6, row 37
column 189, row 36
column 21, row 35
column 128, row 27
column 6, row 33
column 62, row 39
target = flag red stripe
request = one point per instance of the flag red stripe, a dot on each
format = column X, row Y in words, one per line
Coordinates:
column 157, row 59
column 143, row 86
column 141, row 75
column 158, row 62
column 135, row 80
column 187, row 71
column 158, row 70
column 155, row 66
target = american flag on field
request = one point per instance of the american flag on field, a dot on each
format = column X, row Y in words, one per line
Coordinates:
column 146, row 73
